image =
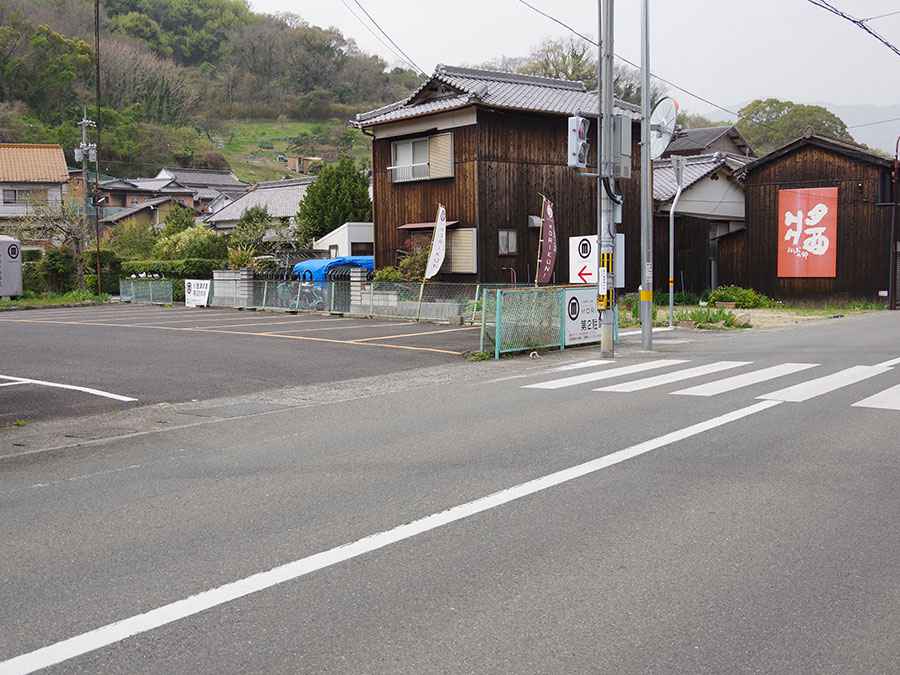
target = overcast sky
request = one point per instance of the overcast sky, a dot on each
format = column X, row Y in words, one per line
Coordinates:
column 729, row 51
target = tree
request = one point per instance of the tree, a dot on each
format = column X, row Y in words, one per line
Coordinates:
column 178, row 220
column 64, row 225
column 688, row 120
column 340, row 194
column 250, row 229
column 195, row 242
column 770, row 123
column 133, row 239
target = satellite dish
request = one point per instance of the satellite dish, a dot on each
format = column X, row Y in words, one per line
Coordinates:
column 662, row 126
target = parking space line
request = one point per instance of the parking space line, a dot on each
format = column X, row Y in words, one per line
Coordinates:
column 356, row 343
column 356, row 325
column 12, row 384
column 269, row 323
column 225, row 316
column 405, row 335
column 58, row 385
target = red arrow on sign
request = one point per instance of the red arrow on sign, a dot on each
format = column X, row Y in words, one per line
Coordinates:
column 584, row 274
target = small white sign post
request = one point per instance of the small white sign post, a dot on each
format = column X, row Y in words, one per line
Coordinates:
column 196, row 292
column 10, row 267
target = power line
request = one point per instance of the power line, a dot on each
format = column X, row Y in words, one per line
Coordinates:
column 382, row 31
column 881, row 16
column 861, row 23
column 630, row 63
column 377, row 36
column 872, row 124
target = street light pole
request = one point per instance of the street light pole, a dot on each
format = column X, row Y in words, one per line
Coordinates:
column 646, row 196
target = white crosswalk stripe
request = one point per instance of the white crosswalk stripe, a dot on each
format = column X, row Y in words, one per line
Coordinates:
column 677, row 376
column 823, row 385
column 889, row 399
column 745, row 379
column 580, row 365
column 584, row 378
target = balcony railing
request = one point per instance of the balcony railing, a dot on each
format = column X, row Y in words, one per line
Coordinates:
column 407, row 172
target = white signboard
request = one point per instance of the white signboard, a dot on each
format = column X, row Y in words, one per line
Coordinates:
column 10, row 267
column 582, row 317
column 583, row 260
column 196, row 292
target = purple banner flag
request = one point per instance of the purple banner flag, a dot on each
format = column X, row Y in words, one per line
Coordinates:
column 547, row 252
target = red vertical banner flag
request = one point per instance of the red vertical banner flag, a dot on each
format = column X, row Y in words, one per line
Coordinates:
column 547, row 252
column 807, row 232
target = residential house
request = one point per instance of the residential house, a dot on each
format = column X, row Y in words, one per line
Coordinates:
column 487, row 145
column 707, row 140
column 711, row 206
column 818, row 221
column 307, row 165
column 348, row 239
column 280, row 198
column 152, row 211
column 213, row 188
column 123, row 193
column 30, row 174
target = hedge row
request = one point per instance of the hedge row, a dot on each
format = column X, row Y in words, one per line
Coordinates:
column 188, row 268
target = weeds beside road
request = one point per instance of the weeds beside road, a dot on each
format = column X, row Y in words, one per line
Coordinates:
column 70, row 299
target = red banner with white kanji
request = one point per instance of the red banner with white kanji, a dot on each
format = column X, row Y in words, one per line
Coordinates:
column 807, row 232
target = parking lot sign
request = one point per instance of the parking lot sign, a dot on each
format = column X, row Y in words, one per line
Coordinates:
column 583, row 260
column 582, row 317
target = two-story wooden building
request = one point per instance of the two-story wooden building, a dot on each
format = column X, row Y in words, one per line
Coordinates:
column 486, row 145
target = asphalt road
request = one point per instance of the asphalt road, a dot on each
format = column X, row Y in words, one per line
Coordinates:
column 157, row 354
column 719, row 533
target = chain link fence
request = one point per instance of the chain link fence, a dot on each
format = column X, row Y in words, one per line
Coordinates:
column 155, row 291
column 522, row 319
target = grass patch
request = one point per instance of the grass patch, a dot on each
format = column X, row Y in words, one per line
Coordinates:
column 831, row 308
column 20, row 423
column 709, row 318
column 479, row 356
column 54, row 300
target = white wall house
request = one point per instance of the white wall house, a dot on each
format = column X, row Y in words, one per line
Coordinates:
column 348, row 239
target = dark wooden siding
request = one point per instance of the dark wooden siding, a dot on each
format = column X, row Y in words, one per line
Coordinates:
column 863, row 228
column 520, row 157
column 691, row 254
column 732, row 259
column 397, row 204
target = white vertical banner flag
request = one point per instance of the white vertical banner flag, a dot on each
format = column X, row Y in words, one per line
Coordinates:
column 438, row 244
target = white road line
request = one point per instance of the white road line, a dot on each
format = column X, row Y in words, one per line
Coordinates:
column 823, row 385
column 57, row 385
column 407, row 335
column 677, row 376
column 889, row 399
column 348, row 328
column 194, row 604
column 11, row 384
column 604, row 374
column 892, row 362
column 745, row 380
column 579, row 365
column 664, row 329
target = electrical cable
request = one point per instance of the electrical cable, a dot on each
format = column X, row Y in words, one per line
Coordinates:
column 378, row 37
column 860, row 23
column 382, row 31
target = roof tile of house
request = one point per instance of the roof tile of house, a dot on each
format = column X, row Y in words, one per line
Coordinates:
column 32, row 163
column 491, row 89
column 695, row 168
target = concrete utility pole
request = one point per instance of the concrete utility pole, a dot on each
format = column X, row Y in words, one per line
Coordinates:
column 605, row 170
column 85, row 152
column 646, row 195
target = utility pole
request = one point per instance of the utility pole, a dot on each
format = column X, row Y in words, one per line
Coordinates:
column 84, row 153
column 646, row 195
column 605, row 170
column 895, row 198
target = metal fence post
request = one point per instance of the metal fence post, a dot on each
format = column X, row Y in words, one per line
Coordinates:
column 498, row 326
column 372, row 299
column 419, row 310
column 332, row 285
column 151, row 291
column 297, row 302
column 483, row 323
column 562, row 321
column 475, row 304
column 265, row 293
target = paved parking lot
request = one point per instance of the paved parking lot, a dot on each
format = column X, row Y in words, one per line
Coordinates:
column 70, row 361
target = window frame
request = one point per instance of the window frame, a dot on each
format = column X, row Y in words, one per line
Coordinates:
column 396, row 175
column 505, row 233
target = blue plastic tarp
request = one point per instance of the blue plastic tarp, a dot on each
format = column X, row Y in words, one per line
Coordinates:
column 317, row 268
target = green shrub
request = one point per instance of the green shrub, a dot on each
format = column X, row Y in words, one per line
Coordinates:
column 709, row 317
column 32, row 255
column 413, row 266
column 34, row 279
column 388, row 274
column 744, row 298
column 59, row 270
column 240, row 257
column 189, row 268
column 194, row 242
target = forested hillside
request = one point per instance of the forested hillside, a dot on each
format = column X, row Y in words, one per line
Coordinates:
column 176, row 74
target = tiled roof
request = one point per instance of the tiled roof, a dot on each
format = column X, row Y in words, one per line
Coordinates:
column 696, row 139
column 137, row 208
column 213, row 178
column 855, row 152
column 32, row 163
column 280, row 198
column 491, row 89
column 695, row 169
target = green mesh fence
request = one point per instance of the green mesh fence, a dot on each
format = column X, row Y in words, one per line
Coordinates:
column 153, row 291
column 516, row 320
